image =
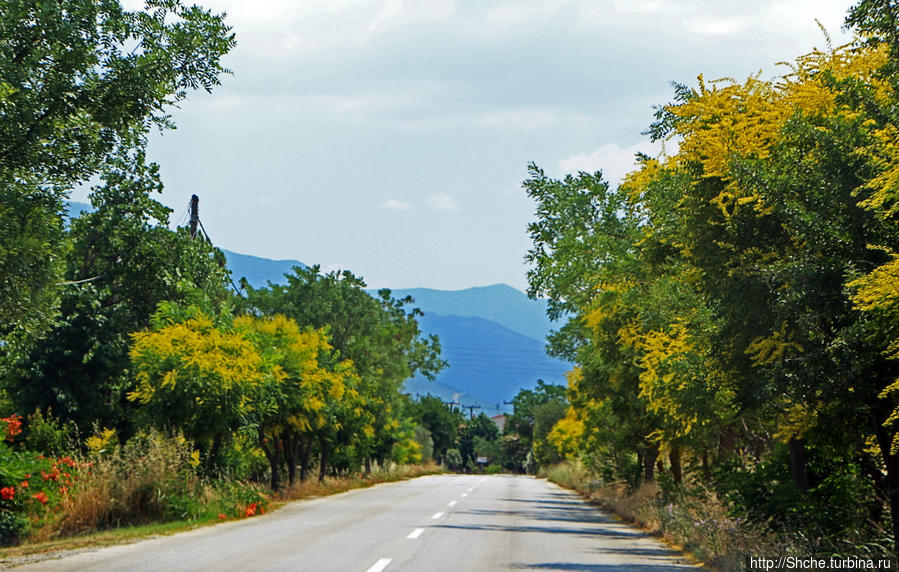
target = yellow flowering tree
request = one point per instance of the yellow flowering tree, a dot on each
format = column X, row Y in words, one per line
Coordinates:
column 742, row 291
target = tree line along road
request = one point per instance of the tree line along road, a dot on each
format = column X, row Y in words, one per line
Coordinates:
column 442, row 522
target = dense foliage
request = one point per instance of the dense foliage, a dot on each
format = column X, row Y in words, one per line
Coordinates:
column 735, row 303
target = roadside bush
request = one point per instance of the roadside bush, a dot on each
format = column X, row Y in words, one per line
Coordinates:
column 32, row 486
column 453, row 460
column 151, row 477
column 49, row 435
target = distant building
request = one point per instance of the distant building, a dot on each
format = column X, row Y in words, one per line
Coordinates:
column 500, row 421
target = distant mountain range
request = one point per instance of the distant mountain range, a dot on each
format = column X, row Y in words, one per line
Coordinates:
column 491, row 336
column 499, row 303
column 488, row 363
column 259, row 271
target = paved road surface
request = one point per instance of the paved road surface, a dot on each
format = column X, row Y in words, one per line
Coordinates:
column 444, row 522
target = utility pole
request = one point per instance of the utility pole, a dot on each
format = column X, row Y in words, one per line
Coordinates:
column 194, row 215
column 471, row 409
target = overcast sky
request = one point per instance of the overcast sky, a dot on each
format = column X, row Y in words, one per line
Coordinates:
column 391, row 138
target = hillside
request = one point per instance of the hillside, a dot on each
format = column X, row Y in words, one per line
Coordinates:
column 489, row 363
column 259, row 271
column 499, row 303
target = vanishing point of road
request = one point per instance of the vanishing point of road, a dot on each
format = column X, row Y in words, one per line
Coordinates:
column 443, row 522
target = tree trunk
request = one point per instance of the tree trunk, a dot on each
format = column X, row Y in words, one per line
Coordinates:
column 885, row 444
column 798, row 466
column 650, row 454
column 674, row 459
column 290, row 456
column 305, row 453
column 272, row 453
column 323, row 461
column 727, row 443
column 367, row 466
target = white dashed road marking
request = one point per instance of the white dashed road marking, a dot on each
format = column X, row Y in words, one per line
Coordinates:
column 380, row 565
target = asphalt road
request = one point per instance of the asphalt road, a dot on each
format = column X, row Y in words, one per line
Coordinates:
column 445, row 522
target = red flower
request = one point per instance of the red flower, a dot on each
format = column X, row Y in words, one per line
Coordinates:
column 13, row 426
column 41, row 496
column 24, row 484
column 251, row 510
column 222, row 516
column 7, row 493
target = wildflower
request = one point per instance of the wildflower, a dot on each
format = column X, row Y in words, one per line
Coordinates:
column 13, row 426
column 24, row 484
column 41, row 496
column 222, row 516
column 251, row 510
column 7, row 493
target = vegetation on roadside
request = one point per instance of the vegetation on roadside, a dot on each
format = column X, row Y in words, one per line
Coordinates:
column 732, row 310
column 135, row 385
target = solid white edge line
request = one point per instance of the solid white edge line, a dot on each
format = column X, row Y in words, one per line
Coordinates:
column 437, row 515
column 415, row 533
column 380, row 565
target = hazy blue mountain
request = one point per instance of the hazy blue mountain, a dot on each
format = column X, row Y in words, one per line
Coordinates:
column 500, row 303
column 258, row 271
column 489, row 363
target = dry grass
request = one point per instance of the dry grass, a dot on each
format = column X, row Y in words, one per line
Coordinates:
column 71, row 530
column 150, row 479
column 331, row 485
column 693, row 518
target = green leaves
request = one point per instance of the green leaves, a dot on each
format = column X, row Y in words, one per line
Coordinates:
column 81, row 80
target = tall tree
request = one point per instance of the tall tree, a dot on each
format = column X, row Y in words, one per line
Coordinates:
column 78, row 79
column 122, row 262
column 377, row 334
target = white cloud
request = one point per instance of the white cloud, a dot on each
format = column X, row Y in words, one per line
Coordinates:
column 612, row 159
column 644, row 7
column 443, row 202
column 514, row 15
column 396, row 205
column 718, row 26
column 395, row 13
column 333, row 267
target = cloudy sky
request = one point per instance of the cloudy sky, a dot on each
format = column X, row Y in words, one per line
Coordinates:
column 390, row 137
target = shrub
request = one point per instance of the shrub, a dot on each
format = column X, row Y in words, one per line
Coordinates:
column 150, row 478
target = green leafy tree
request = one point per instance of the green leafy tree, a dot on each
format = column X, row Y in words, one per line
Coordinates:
column 121, row 263
column 478, row 430
column 78, row 79
column 740, row 294
column 377, row 334
column 441, row 422
column 519, row 429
